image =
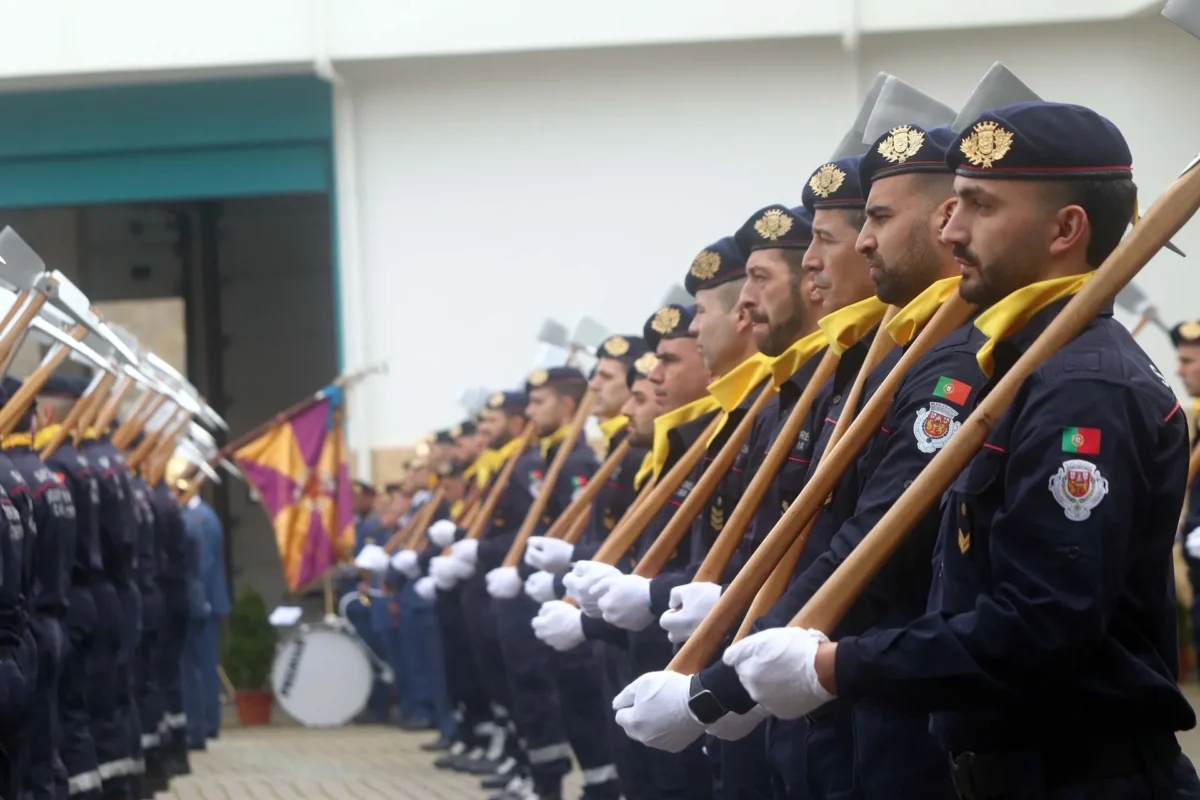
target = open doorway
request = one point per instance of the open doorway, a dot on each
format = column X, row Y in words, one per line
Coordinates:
column 236, row 293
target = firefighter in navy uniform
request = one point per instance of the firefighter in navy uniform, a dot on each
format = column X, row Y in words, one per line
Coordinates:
column 78, row 750
column 118, row 614
column 54, row 517
column 1047, row 658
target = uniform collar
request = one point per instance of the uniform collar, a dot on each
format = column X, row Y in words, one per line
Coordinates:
column 668, row 422
column 614, row 425
column 732, row 388
column 1014, row 312
column 644, row 471
column 847, row 325
column 548, row 442
column 44, row 436
column 912, row 319
column 16, row 440
column 796, row 356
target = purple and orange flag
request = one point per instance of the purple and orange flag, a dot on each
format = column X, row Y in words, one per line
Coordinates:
column 299, row 469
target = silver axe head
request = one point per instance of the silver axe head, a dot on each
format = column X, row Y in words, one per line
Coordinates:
column 1133, row 300
column 588, row 334
column 852, row 142
column 81, row 352
column 19, row 264
column 1185, row 14
column 676, row 296
column 901, row 104
column 553, row 333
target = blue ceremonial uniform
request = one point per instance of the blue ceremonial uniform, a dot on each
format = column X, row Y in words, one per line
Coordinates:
column 54, row 518
column 199, row 612
column 78, row 750
column 179, row 567
column 359, row 611
column 216, row 592
column 18, row 649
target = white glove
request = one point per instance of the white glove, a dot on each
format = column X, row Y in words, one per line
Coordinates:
column 446, row 572
column 372, row 558
column 580, row 581
column 777, row 667
column 732, row 727
column 1192, row 543
column 426, row 588
column 690, row 604
column 466, row 551
column 442, row 532
column 405, row 562
column 653, row 710
column 504, row 583
column 551, row 555
column 624, row 601
column 540, row 587
column 559, row 625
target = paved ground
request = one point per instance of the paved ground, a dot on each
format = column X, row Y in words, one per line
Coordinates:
column 284, row 762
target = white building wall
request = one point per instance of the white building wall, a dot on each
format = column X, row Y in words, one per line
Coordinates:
column 497, row 190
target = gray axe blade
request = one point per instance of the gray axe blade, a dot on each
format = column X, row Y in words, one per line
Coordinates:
column 1133, row 300
column 999, row 87
column 19, row 264
column 588, row 334
column 902, row 104
column 553, row 332
column 676, row 295
column 1185, row 14
column 852, row 144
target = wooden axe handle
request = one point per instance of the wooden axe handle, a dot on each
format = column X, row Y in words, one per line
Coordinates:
column 719, row 555
column 578, row 526
column 701, row 645
column 1168, row 214
column 411, row 532
column 75, row 415
column 489, row 505
column 20, row 402
column 627, row 532
column 538, row 508
column 581, row 504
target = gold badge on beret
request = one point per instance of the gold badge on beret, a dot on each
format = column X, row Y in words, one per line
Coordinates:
column 496, row 400
column 1190, row 330
column 538, row 377
column 987, row 144
column 827, row 180
column 646, row 364
column 665, row 320
column 706, row 265
column 901, row 144
column 616, row 346
column 774, row 223
column 456, row 432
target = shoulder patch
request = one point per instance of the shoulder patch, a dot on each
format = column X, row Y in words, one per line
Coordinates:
column 1078, row 487
column 934, row 426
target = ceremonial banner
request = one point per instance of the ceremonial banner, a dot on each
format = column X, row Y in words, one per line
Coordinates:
column 299, row 468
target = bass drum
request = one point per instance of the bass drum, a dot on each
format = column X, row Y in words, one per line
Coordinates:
column 322, row 676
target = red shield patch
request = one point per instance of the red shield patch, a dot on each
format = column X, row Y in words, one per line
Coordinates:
column 1079, row 483
column 936, row 425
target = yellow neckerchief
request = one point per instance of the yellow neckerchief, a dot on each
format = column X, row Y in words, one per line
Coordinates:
column 613, row 425
column 1013, row 312
column 44, row 436
column 644, row 471
column 847, row 325
column 16, row 440
column 432, row 481
column 666, row 423
column 91, row 435
column 732, row 388
column 912, row 319
column 456, row 509
column 485, row 465
column 797, row 356
column 553, row 439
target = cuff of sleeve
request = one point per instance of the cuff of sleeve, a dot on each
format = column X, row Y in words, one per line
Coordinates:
column 851, row 668
column 560, row 588
column 524, row 570
column 425, row 557
column 722, row 680
column 660, row 591
column 597, row 630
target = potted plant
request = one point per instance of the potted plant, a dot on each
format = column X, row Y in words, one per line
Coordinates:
column 248, row 660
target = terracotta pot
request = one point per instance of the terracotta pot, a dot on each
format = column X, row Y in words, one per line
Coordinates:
column 253, row 706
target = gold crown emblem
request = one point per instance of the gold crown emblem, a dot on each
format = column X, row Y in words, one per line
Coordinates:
column 901, row 144
column 827, row 180
column 1190, row 330
column 665, row 320
column 706, row 265
column 456, row 432
column 773, row 224
column 538, row 377
column 646, row 364
column 616, row 346
column 496, row 400
column 987, row 144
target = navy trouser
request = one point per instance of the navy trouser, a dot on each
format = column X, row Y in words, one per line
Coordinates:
column 151, row 705
column 672, row 775
column 482, row 628
column 18, row 686
column 191, row 665
column 379, row 702
column 786, row 751
column 45, row 776
column 463, row 684
column 421, row 656
column 741, row 769
column 127, row 708
column 894, row 748
column 109, row 734
column 586, row 708
column 211, row 678
column 77, row 749
column 174, row 635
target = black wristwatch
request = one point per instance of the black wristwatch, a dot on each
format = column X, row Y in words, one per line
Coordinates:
column 703, row 703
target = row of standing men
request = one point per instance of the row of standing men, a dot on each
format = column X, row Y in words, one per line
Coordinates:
column 1020, row 642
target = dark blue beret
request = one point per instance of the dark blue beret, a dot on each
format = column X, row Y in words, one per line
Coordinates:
column 641, row 368
column 906, row 149
column 669, row 322
column 509, row 402
column 463, row 429
column 1186, row 333
column 775, row 227
column 1041, row 141
column 835, row 185
column 718, row 263
column 626, row 349
column 364, row 488
column 8, row 387
column 443, row 437
column 555, row 376
column 65, row 386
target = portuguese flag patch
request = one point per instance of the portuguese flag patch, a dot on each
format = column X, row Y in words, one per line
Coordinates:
column 1081, row 440
column 955, row 391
